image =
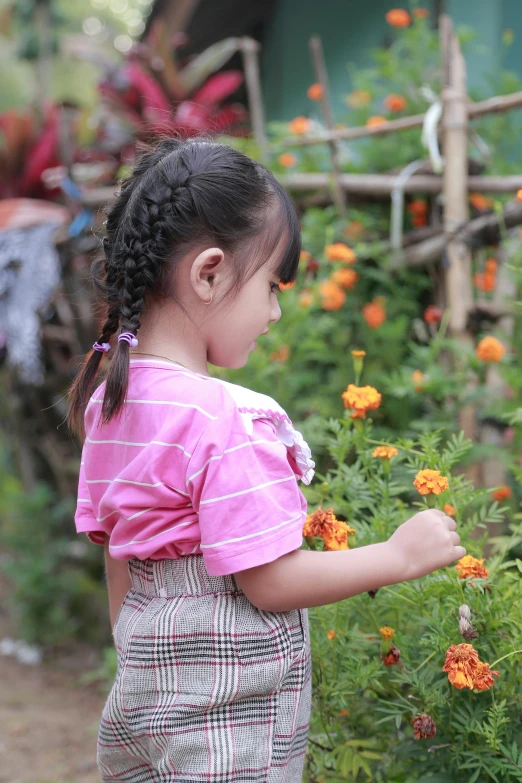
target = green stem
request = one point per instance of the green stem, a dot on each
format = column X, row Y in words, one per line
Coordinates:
column 398, row 595
column 413, row 671
column 491, row 665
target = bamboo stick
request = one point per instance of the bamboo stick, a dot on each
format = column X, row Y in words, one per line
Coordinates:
column 458, row 284
column 498, row 103
column 249, row 49
column 316, row 50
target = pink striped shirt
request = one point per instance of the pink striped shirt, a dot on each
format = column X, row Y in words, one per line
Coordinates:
column 194, row 465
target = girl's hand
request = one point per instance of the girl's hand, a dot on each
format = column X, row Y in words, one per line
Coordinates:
column 426, row 542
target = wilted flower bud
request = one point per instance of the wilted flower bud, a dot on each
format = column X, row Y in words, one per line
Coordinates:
column 465, row 627
column 423, row 727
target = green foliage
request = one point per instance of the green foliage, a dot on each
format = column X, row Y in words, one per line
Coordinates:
column 362, row 709
column 55, row 591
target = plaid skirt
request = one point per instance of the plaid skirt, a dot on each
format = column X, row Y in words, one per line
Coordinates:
column 208, row 688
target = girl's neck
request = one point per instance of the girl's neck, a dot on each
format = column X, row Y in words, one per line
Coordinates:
column 161, row 333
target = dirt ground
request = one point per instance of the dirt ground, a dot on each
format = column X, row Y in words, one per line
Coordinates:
column 48, row 722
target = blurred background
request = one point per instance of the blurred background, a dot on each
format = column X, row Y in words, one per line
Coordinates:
column 343, row 101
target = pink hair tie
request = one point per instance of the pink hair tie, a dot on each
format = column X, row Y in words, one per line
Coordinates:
column 128, row 337
column 104, row 347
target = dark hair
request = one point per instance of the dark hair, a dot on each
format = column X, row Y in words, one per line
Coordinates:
column 179, row 195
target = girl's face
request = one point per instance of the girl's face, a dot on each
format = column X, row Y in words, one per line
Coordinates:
column 232, row 334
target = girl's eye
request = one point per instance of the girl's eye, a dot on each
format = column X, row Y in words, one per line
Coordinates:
column 276, row 287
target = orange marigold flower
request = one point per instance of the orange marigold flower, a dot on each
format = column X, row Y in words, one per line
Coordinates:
column 354, row 229
column 346, row 278
column 433, row 315
column 491, row 265
column 418, row 379
column 374, row 313
column 461, row 664
column 420, row 13
column 358, row 98
column 358, row 354
column 469, row 566
column 483, row 679
column 519, row 194
column 300, row 125
column 287, row 159
column 485, row 281
column 331, row 634
column 319, row 521
column 306, row 298
column 423, row 725
column 385, row 452
column 502, row 493
column 281, row 355
column 286, row 286
column 387, row 632
column 374, row 122
column 419, row 221
column 333, row 296
column 398, row 17
column 480, row 202
column 343, row 712
column 490, row 349
column 393, row 656
column 361, row 399
column 449, row 509
column 340, row 252
column 429, row 482
column 417, row 207
column 315, row 92
column 395, row 102
column 336, row 538
column 304, row 256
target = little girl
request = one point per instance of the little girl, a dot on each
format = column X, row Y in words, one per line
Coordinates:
column 190, row 483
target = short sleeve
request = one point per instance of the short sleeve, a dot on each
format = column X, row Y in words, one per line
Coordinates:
column 245, row 492
column 84, row 518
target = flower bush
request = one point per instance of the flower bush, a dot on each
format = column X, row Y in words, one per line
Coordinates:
column 379, row 704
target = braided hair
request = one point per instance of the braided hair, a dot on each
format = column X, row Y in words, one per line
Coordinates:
column 180, row 195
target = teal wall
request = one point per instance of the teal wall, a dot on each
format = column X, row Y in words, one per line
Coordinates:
column 350, row 28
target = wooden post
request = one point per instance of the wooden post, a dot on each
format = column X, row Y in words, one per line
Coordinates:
column 249, row 50
column 458, row 284
column 316, row 50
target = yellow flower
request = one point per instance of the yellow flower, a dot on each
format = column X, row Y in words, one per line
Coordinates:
column 361, row 399
column 417, row 378
column 469, row 566
column 387, row 632
column 340, row 252
column 490, row 349
column 358, row 354
column 429, row 482
column 358, row 98
column 385, row 452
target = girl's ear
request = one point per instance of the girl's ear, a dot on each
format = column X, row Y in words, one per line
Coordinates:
column 207, row 271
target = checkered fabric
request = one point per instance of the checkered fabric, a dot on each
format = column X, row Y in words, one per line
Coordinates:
column 209, row 689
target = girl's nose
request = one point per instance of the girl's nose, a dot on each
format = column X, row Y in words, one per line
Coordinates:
column 275, row 315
